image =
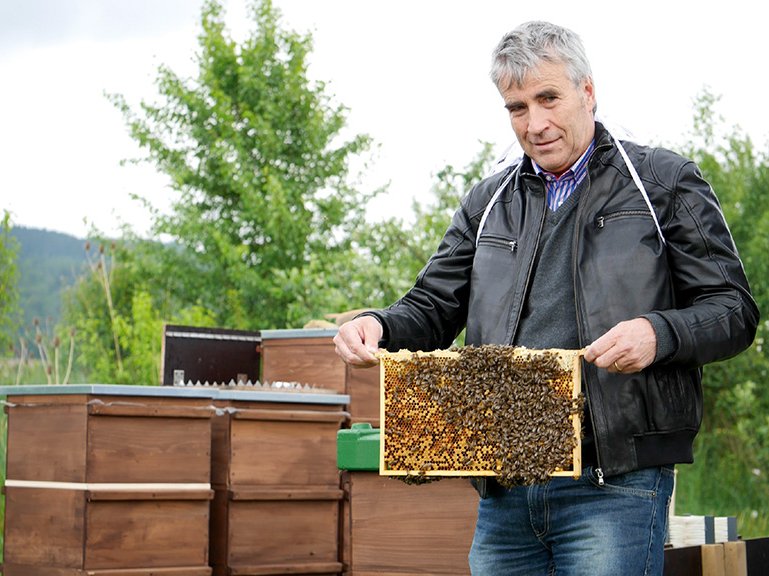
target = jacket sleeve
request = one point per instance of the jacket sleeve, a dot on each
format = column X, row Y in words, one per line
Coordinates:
column 715, row 316
column 434, row 311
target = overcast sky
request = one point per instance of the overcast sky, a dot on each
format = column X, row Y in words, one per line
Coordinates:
column 414, row 75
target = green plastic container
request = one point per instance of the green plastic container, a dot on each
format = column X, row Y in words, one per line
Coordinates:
column 357, row 448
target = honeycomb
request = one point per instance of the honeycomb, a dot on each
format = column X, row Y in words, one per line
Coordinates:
column 503, row 411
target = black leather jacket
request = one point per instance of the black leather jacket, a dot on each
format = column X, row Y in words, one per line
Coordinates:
column 621, row 271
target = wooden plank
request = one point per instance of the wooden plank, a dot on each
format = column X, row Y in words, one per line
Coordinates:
column 287, row 454
column 58, row 531
column 305, row 360
column 160, row 534
column 47, row 441
column 44, row 527
column 116, row 490
column 712, row 560
column 295, row 415
column 220, row 450
column 219, row 542
column 262, row 402
column 149, row 449
column 148, row 410
column 345, row 522
column 173, row 571
column 320, row 569
column 735, row 558
column 12, row 569
column 362, row 385
column 262, row 493
column 167, row 493
column 289, row 533
column 400, row 528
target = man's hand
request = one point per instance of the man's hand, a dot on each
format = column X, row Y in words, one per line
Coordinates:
column 357, row 341
column 628, row 347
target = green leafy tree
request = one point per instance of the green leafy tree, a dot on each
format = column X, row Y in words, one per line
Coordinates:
column 731, row 471
column 740, row 176
column 118, row 308
column 256, row 153
column 259, row 233
column 394, row 251
column 9, row 294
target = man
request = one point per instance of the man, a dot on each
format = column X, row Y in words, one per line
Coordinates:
column 586, row 242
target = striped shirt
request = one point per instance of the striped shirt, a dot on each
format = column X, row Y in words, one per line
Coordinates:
column 559, row 188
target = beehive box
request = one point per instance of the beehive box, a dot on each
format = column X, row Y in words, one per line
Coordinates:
column 104, row 480
column 277, row 495
column 94, row 531
column 513, row 413
column 307, row 356
column 391, row 529
column 304, row 356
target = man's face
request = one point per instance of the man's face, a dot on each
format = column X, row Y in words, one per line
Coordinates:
column 552, row 118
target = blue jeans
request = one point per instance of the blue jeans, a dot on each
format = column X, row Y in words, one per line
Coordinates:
column 575, row 527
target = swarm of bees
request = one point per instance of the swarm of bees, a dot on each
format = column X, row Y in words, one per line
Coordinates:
column 486, row 410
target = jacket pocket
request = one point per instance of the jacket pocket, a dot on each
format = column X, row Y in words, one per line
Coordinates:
column 493, row 283
column 674, row 400
column 500, row 242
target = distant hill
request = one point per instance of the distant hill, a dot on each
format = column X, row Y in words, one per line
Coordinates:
column 48, row 262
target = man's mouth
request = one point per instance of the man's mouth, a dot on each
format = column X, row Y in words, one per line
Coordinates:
column 545, row 143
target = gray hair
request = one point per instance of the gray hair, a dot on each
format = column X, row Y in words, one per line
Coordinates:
column 530, row 44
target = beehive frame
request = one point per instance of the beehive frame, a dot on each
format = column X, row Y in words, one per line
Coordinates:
column 439, row 448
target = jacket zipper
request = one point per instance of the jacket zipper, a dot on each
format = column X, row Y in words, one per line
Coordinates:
column 599, row 223
column 501, row 242
column 531, row 261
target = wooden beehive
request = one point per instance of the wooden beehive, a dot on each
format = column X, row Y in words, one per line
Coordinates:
column 304, row 356
column 392, row 529
column 308, row 357
column 502, row 411
column 277, row 495
column 104, row 480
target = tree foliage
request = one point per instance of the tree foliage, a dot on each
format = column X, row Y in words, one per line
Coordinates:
column 256, row 153
column 394, row 250
column 9, row 293
column 733, row 447
column 117, row 309
column 740, row 176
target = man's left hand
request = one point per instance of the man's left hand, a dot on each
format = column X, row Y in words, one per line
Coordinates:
column 628, row 347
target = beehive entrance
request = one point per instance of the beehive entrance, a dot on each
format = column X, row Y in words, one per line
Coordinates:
column 498, row 411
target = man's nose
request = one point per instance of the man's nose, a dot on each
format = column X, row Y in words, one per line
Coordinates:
column 539, row 120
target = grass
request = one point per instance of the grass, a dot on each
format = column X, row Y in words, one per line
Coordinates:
column 723, row 481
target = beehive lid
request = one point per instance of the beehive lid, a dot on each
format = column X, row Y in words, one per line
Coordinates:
column 292, row 333
column 502, row 411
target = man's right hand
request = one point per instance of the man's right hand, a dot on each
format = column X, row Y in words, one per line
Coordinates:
column 358, row 341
